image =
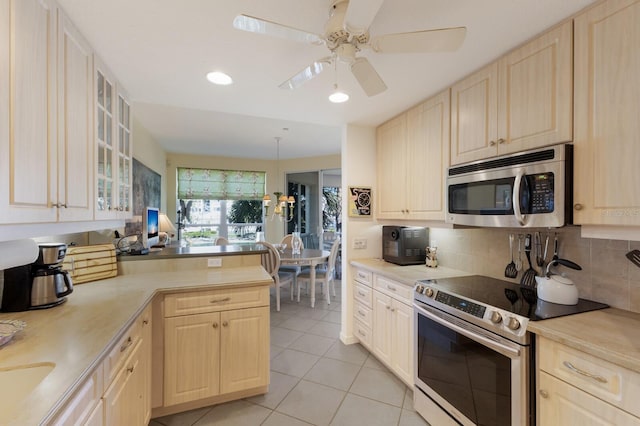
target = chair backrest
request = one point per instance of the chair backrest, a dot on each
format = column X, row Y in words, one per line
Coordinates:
column 331, row 265
column 270, row 259
column 221, row 241
column 287, row 240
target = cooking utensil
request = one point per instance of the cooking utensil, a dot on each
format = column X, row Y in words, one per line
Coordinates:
column 519, row 259
column 511, row 271
column 529, row 277
column 634, row 257
column 538, row 243
column 555, row 247
column 546, row 248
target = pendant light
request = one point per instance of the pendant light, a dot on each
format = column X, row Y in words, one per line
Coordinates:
column 280, row 209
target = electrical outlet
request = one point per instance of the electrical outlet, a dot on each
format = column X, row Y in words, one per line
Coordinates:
column 360, row 243
column 215, row 262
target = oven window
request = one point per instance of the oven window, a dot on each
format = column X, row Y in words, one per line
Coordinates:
column 474, row 379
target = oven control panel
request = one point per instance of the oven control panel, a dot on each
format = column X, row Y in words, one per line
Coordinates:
column 460, row 304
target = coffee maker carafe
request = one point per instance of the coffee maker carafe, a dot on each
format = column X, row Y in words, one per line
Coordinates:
column 51, row 285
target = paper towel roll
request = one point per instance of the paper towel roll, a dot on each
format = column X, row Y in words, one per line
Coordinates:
column 17, row 253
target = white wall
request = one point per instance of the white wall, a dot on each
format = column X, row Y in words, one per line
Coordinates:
column 358, row 169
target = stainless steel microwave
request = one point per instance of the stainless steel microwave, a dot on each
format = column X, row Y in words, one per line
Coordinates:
column 526, row 189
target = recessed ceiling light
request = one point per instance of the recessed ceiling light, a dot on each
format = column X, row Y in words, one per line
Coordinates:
column 220, row 78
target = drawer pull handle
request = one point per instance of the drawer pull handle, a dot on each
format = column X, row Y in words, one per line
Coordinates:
column 226, row 299
column 361, row 294
column 145, row 322
column 584, row 373
column 361, row 313
column 360, row 332
column 390, row 287
column 126, row 344
column 130, row 369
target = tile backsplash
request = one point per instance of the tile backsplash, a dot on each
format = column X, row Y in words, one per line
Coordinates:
column 607, row 276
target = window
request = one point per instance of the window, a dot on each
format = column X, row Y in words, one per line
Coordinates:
column 220, row 203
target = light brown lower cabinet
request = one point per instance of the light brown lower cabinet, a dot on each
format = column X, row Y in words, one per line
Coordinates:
column 217, row 353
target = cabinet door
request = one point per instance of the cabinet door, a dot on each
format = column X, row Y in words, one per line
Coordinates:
column 105, row 141
column 536, row 92
column 123, row 153
column 96, row 418
column 427, row 158
column 123, row 404
column 28, row 160
column 191, row 358
column 607, row 129
column 562, row 404
column 392, row 168
column 382, row 326
column 244, row 346
column 75, row 123
column 402, row 341
column 474, row 122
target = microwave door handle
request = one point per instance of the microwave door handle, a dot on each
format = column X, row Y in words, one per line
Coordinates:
column 516, row 199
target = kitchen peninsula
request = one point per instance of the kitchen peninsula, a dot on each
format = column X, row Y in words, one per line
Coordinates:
column 95, row 344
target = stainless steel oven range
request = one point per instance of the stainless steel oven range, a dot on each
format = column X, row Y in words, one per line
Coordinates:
column 474, row 356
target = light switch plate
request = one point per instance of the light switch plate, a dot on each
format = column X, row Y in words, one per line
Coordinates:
column 360, row 243
column 215, row 262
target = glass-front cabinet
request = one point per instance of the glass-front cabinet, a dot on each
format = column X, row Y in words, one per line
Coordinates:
column 113, row 147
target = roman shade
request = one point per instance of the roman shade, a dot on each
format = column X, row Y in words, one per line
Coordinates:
column 211, row 184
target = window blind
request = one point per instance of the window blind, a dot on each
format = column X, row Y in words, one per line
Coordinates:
column 211, row 184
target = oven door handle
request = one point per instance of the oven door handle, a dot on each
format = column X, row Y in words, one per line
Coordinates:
column 501, row 348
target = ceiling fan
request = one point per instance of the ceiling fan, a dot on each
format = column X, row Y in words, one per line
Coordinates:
column 347, row 33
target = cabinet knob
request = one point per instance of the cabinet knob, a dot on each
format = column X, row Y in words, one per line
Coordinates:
column 577, row 206
column 145, row 322
column 224, row 324
column 501, row 140
column 215, row 325
column 126, row 344
column 492, row 143
column 130, row 369
column 544, row 393
column 388, row 307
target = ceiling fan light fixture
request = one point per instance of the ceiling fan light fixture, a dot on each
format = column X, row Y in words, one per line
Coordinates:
column 219, row 78
column 338, row 96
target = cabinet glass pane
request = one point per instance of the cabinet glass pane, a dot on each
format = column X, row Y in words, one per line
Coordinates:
column 126, row 170
column 109, row 131
column 108, row 160
column 100, row 161
column 121, row 139
column 121, row 168
column 126, row 115
column 125, row 199
column 100, row 89
column 101, row 204
column 127, row 152
column 109, row 196
column 100, row 124
column 108, row 90
column 120, row 110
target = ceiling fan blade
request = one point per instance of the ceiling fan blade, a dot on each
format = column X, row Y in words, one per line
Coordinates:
column 306, row 74
column 367, row 76
column 261, row 26
column 442, row 40
column 360, row 15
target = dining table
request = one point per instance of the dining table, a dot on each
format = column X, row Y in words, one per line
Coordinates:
column 307, row 257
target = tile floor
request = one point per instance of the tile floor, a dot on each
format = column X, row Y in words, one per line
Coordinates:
column 315, row 379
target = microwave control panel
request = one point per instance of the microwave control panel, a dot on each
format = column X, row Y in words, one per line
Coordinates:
column 541, row 192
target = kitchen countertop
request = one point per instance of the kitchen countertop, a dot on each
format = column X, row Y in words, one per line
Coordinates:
column 77, row 334
column 611, row 334
column 173, row 252
column 406, row 274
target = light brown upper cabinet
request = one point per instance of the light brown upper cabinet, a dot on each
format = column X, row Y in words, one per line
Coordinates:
column 607, row 125
column 520, row 102
column 412, row 157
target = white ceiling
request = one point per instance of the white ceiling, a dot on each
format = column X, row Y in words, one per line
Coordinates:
column 161, row 51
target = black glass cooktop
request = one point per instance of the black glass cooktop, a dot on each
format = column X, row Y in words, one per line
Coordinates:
column 510, row 297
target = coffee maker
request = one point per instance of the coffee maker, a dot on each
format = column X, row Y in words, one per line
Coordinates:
column 38, row 285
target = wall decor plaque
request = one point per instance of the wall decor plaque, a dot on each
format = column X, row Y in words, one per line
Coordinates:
column 360, row 201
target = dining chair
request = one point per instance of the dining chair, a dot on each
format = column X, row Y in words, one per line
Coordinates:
column 294, row 269
column 325, row 275
column 221, row 241
column 271, row 263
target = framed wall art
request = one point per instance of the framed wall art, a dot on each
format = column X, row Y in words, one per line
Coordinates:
column 360, row 201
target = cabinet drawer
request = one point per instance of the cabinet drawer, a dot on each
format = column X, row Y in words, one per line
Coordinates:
column 198, row 302
column 602, row 379
column 364, row 277
column 362, row 313
column 80, row 408
column 121, row 351
column 363, row 333
column 394, row 289
column 362, row 294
